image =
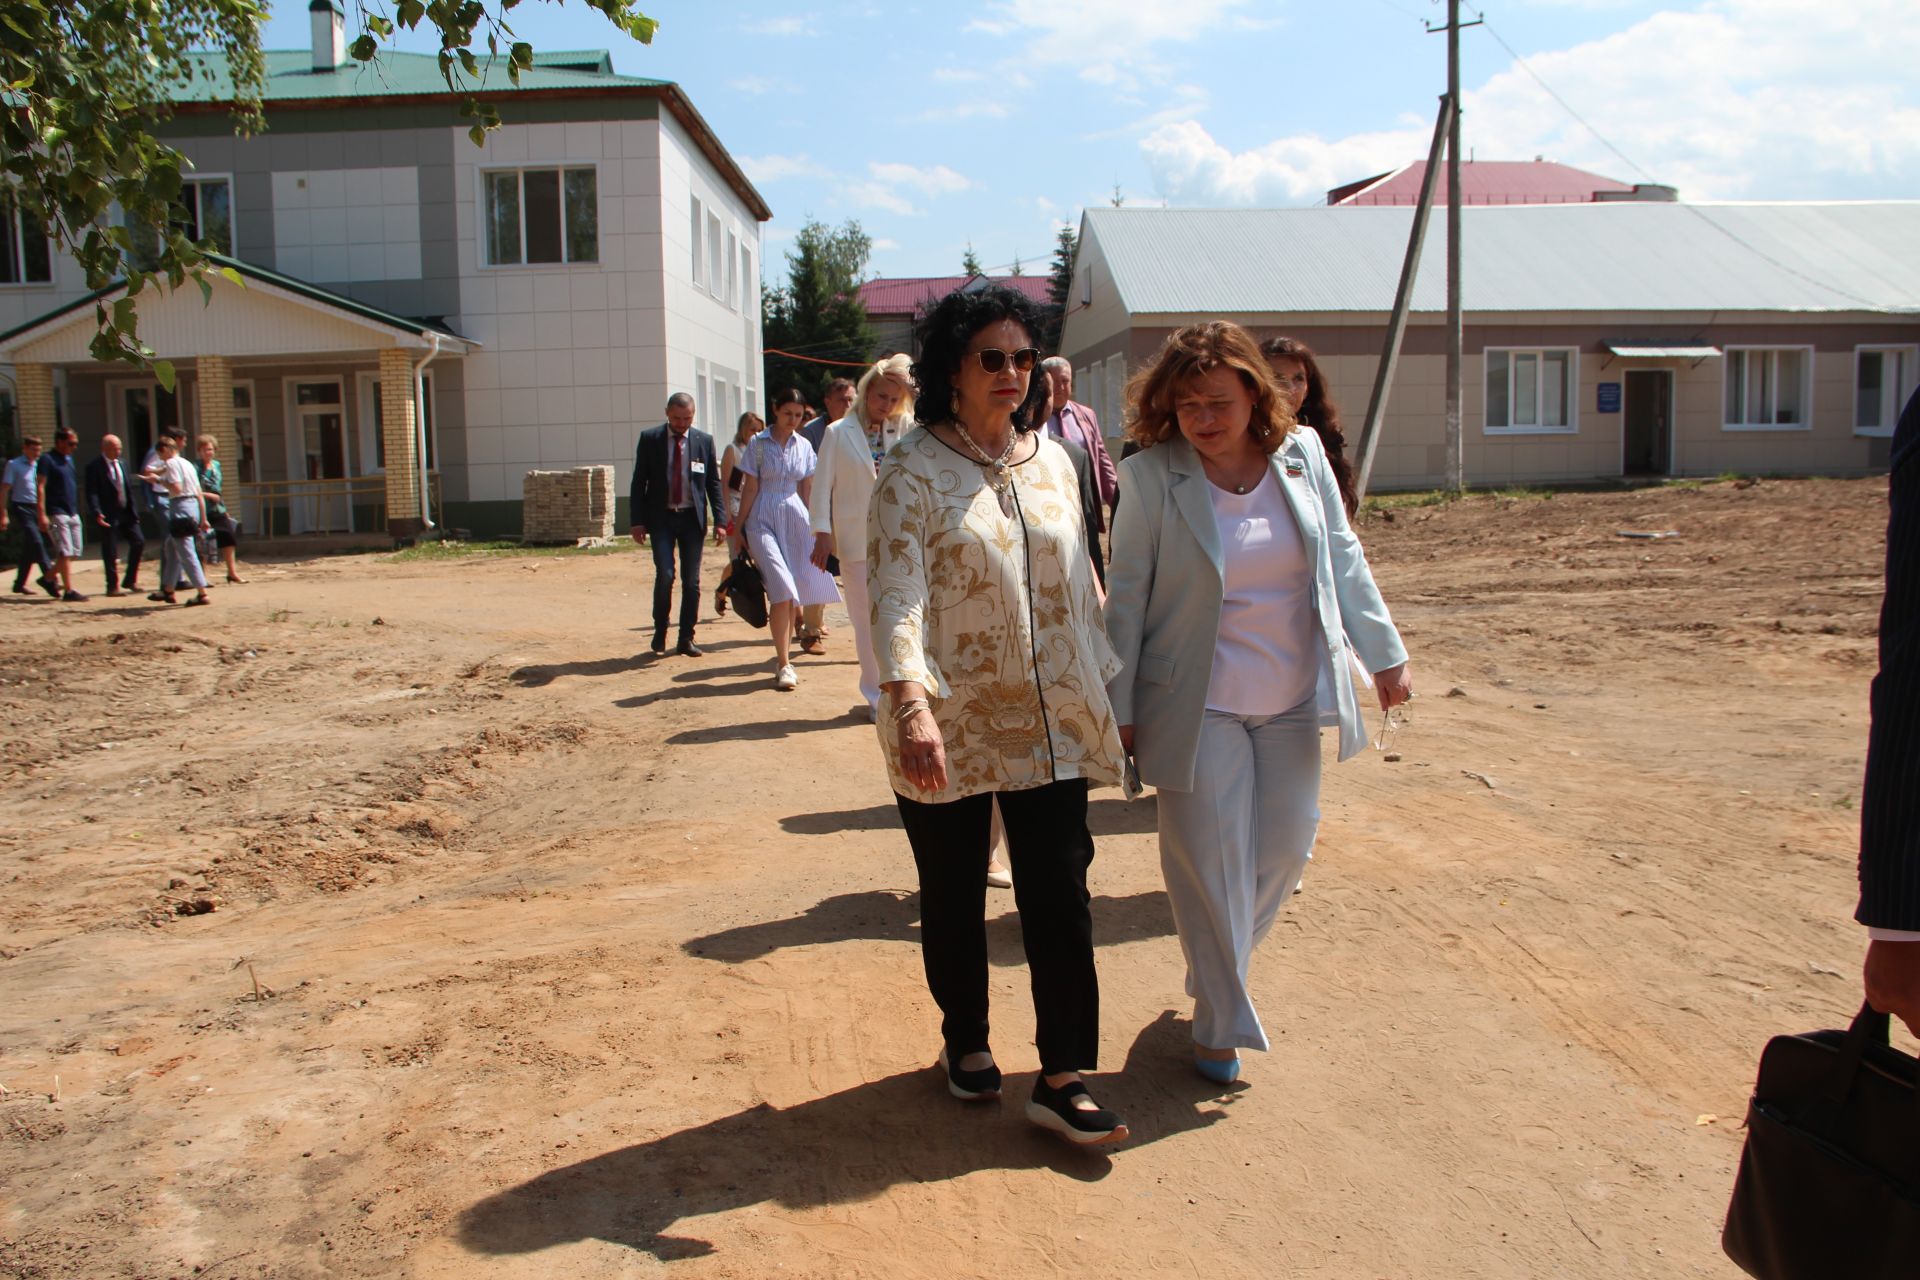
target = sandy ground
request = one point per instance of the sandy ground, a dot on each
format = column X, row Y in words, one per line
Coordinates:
column 574, row 962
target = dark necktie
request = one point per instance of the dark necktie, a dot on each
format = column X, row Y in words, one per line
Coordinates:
column 677, row 477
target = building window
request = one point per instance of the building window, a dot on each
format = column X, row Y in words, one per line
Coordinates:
column 699, row 230
column 373, row 429
column 204, row 211
column 733, row 273
column 716, row 266
column 1883, row 379
column 746, row 276
column 248, row 462
column 1768, row 388
column 542, row 216
column 1531, row 391
column 25, row 256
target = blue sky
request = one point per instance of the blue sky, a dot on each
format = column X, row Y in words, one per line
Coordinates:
column 937, row 125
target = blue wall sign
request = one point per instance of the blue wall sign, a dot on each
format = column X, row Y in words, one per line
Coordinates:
column 1609, row 398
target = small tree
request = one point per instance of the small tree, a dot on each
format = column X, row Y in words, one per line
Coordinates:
column 817, row 313
column 1059, row 286
column 86, row 84
column 970, row 264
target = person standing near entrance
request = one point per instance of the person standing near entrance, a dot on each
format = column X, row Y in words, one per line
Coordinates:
column 60, row 509
column 676, row 481
column 23, row 504
column 812, row 630
column 109, row 490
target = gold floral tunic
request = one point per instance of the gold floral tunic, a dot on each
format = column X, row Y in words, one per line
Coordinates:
column 995, row 615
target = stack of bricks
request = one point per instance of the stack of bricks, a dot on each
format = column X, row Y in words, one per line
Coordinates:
column 567, row 506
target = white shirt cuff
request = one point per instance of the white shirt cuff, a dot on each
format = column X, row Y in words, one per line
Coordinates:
column 1894, row 935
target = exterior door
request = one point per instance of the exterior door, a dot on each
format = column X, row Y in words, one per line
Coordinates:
column 138, row 410
column 1649, row 422
column 317, row 430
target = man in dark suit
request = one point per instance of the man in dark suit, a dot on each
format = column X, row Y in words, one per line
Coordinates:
column 675, row 482
column 1890, row 803
column 109, row 486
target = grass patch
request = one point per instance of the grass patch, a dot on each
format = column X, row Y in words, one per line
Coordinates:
column 1440, row 497
column 501, row 549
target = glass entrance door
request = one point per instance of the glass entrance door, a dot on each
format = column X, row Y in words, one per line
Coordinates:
column 319, row 455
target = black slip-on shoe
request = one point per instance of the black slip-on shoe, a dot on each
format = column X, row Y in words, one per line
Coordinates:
column 1053, row 1109
column 970, row 1086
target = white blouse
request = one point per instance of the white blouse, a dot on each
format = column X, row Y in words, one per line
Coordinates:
column 994, row 614
column 1264, row 661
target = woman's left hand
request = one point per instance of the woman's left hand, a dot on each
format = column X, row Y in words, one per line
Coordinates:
column 1394, row 685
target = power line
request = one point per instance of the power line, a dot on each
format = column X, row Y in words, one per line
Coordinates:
column 1629, row 161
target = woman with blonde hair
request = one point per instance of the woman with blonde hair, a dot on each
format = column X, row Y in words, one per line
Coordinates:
column 1237, row 598
column 850, row 453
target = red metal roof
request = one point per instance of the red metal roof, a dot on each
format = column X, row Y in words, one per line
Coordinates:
column 1484, row 182
column 907, row 295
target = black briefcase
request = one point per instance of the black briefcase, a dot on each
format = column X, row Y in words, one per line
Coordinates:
column 1829, row 1183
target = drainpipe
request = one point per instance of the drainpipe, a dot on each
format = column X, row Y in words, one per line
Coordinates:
column 420, row 424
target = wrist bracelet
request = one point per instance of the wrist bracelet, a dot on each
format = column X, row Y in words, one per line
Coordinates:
column 909, row 708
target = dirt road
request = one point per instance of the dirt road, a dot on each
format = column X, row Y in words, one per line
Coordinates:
column 574, row 962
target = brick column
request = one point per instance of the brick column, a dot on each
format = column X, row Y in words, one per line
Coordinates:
column 399, row 453
column 36, row 401
column 216, row 423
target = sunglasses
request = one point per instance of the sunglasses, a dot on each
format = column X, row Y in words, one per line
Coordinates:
column 993, row 359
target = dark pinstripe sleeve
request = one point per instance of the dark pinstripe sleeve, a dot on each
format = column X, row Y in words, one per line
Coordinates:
column 1890, row 804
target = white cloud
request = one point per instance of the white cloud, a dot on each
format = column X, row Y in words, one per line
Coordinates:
column 1734, row 99
column 889, row 185
column 955, row 75
column 983, row 108
column 750, row 84
column 799, row 25
column 775, row 168
column 1110, row 42
column 883, row 244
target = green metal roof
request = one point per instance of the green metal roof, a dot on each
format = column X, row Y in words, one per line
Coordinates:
column 291, row 77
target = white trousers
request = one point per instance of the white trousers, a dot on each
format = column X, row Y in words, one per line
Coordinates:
column 853, row 584
column 1232, row 851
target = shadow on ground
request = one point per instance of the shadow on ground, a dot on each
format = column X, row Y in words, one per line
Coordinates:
column 889, row 915
column 845, row 1148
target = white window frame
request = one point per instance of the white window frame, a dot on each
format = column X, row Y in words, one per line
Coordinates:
column 15, row 229
column 202, row 180
column 699, row 243
column 1572, row 426
column 748, row 290
column 716, row 246
column 485, row 227
column 1806, row 387
column 367, row 428
column 733, row 271
column 1911, row 353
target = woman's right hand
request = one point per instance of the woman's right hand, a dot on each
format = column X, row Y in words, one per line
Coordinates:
column 1126, row 738
column 822, row 548
column 923, row 756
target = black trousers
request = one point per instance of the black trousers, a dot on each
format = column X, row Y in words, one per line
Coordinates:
column 681, row 535
column 125, row 531
column 1050, row 847
column 33, row 546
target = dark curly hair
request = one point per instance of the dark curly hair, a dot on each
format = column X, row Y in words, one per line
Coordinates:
column 942, row 337
column 1317, row 410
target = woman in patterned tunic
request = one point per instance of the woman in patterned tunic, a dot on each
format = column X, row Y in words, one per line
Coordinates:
column 778, row 464
column 991, row 649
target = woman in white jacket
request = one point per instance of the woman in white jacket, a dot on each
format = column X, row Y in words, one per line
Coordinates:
column 1236, row 593
column 850, row 456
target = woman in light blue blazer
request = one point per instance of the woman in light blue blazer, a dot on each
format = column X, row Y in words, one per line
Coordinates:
column 1240, row 601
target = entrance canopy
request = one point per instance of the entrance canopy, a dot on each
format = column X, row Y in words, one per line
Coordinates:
column 268, row 315
column 1628, row 349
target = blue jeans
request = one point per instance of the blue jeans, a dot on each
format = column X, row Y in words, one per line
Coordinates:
column 33, row 547
column 680, row 534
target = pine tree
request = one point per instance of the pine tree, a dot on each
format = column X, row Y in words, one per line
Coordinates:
column 816, row 313
column 970, row 264
column 1059, row 287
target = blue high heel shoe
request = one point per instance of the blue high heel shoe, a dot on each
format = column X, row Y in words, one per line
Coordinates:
column 1218, row 1070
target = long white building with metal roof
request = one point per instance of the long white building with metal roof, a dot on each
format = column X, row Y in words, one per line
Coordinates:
column 1601, row 339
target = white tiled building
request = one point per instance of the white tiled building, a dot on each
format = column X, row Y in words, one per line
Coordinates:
column 543, row 293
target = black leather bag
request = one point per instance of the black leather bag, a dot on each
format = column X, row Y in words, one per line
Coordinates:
column 747, row 591
column 182, row 526
column 1829, row 1182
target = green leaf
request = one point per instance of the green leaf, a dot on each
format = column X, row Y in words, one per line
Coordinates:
column 363, row 49
column 206, row 290
column 163, row 374
column 230, row 274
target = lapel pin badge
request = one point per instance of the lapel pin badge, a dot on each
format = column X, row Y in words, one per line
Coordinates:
column 1295, row 470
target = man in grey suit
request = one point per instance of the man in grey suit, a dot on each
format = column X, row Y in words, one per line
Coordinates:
column 1890, row 803
column 675, row 482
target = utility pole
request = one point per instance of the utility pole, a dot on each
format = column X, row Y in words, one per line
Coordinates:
column 1456, row 457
